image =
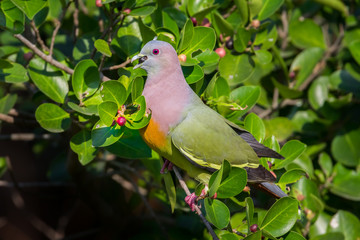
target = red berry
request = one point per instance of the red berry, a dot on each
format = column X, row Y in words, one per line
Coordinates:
column 205, row 22
column 253, row 228
column 292, row 75
column 194, row 21
column 221, row 52
column 255, row 23
column 28, row 56
column 98, row 3
column 121, row 121
column 127, row 11
column 182, row 58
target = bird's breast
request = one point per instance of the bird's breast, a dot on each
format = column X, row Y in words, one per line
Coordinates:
column 154, row 137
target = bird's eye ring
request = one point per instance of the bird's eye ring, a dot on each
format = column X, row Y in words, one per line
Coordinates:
column 156, row 51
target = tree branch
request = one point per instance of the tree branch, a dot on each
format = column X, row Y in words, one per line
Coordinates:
column 117, row 66
column 197, row 209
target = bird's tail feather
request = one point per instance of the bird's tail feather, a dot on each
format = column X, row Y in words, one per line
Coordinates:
column 272, row 189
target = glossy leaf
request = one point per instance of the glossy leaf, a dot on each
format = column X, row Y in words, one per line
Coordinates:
column 49, row 79
column 346, row 223
column 11, row 17
column 217, row 213
column 143, row 11
column 30, row 8
column 113, row 91
column 249, row 211
column 107, row 111
column 86, row 110
column 129, row 36
column 291, row 150
column 280, row 127
column 306, row 33
column 170, row 188
column 103, row 135
column 203, row 38
column 233, row 184
column 264, row 56
column 86, row 79
column 7, row 103
column 285, row 91
column 308, row 189
column 147, row 34
column 344, row 147
column 345, row 183
column 326, row 163
column 294, row 236
column 52, row 118
column 246, row 97
column 103, row 47
column 221, row 25
column 318, row 92
column 193, row 74
column 236, row 69
column 354, row 48
column 255, row 126
column 291, row 176
column 137, row 87
column 254, row 236
column 242, row 39
column 81, row 144
column 281, row 217
column 269, row 8
column 216, row 178
column 186, row 35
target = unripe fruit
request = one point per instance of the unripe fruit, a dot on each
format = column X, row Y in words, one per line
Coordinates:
column 194, row 21
column 28, row 56
column 98, row 3
column 230, row 44
column 127, row 11
column 253, row 228
column 269, row 164
column 221, row 52
column 246, row 189
column 292, row 75
column 121, row 121
column 182, row 58
column 205, row 22
column 255, row 23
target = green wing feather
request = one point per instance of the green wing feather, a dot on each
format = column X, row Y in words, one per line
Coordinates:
column 204, row 138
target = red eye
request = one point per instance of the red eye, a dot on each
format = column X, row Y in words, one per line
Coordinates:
column 156, row 51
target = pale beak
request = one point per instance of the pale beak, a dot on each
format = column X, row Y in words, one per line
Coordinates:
column 142, row 58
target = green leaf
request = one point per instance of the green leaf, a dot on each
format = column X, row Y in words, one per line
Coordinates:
column 269, row 8
column 344, row 148
column 346, row 223
column 294, row 236
column 30, row 8
column 81, row 144
column 11, row 72
column 343, row 80
column 320, row 226
column 304, row 64
column 7, row 103
column 291, row 150
column 249, row 211
column 264, row 56
column 233, row 184
column 345, row 183
column 107, row 111
column 88, row 110
column 285, row 91
column 140, row 118
column 217, row 213
column 281, row 217
column 236, row 69
column 137, row 87
column 49, row 79
column 170, row 24
column 309, row 190
column 143, row 11
column 186, row 35
column 335, row 4
column 246, row 97
column 318, row 92
column 203, row 38
column 192, row 74
column 86, row 79
column 52, row 118
column 325, row 163
column 221, row 25
column 305, row 34
column 215, row 179
column 255, row 126
column 254, row 236
column 291, row 176
column 103, row 135
column 280, row 127
column 330, row 236
column 131, row 146
column 147, row 34
column 229, row 236
column 242, row 39
column 11, row 17
column 354, row 48
column 103, row 47
column 129, row 36
column 113, row 91
column 170, row 188
column 83, row 48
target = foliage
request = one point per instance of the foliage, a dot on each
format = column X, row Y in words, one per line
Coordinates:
column 290, row 73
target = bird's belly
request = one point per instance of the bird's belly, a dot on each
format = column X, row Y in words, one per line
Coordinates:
column 155, row 138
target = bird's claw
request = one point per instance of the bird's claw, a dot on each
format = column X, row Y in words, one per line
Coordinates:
column 167, row 165
column 191, row 200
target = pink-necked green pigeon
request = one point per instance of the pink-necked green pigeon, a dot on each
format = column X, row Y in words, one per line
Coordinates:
column 188, row 133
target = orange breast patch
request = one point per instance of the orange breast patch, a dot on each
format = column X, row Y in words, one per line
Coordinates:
column 153, row 136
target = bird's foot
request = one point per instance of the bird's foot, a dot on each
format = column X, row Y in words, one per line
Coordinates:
column 167, row 165
column 192, row 199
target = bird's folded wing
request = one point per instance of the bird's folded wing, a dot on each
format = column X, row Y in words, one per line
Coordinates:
column 205, row 139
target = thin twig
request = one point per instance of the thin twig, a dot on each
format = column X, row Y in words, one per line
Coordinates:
column 197, row 209
column 57, row 27
column 42, row 55
column 117, row 66
column 38, row 37
column 26, row 136
column 76, row 20
column 285, row 29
